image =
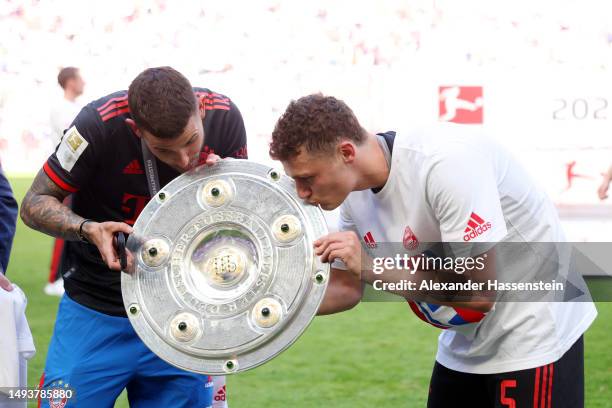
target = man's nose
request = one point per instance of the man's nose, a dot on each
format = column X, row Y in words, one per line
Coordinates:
column 303, row 192
column 184, row 160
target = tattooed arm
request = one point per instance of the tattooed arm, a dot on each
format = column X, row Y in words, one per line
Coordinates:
column 42, row 210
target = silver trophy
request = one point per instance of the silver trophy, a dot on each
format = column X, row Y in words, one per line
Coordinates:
column 225, row 276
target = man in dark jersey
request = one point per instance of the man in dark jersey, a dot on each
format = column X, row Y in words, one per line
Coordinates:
column 164, row 122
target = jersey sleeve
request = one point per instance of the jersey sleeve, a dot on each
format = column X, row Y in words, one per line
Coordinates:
column 74, row 160
column 461, row 189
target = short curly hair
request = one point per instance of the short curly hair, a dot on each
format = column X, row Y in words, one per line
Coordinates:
column 315, row 122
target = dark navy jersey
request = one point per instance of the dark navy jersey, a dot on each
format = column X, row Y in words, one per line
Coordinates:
column 8, row 220
column 100, row 161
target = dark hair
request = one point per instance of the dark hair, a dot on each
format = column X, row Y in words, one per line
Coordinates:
column 65, row 74
column 161, row 101
column 315, row 122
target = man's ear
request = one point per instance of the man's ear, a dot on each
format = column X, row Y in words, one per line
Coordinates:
column 132, row 125
column 347, row 151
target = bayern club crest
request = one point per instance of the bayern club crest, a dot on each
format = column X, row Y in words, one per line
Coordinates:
column 57, row 398
column 410, row 240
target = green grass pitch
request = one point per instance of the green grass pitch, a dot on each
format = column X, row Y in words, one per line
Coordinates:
column 376, row 355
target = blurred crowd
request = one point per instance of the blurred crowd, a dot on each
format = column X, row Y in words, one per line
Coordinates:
column 265, row 53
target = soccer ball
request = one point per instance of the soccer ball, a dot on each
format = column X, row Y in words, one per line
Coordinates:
column 445, row 317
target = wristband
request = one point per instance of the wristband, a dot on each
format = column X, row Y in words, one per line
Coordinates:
column 80, row 233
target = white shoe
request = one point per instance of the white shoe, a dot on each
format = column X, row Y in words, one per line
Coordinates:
column 56, row 288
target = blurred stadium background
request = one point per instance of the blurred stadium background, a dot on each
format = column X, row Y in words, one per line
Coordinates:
column 535, row 74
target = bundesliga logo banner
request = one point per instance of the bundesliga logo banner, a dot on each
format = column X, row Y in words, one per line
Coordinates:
column 461, row 104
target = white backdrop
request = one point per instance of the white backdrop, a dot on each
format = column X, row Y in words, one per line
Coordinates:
column 542, row 67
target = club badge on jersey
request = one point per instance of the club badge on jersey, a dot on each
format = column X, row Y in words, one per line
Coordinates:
column 410, row 240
